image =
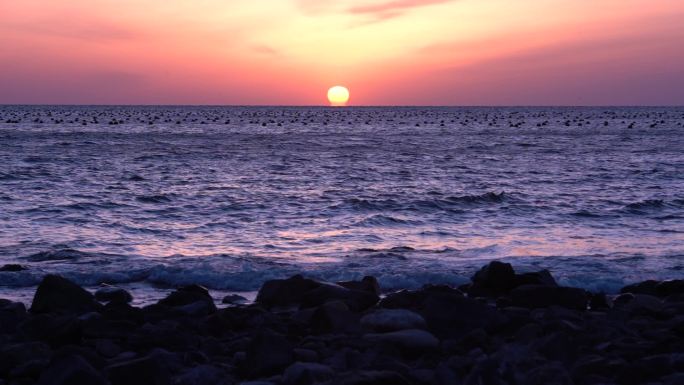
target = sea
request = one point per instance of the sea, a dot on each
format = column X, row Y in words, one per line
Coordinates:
column 150, row 198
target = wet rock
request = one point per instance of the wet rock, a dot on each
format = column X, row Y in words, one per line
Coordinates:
column 656, row 288
column 71, row 369
column 204, row 375
column 299, row 291
column 285, row 292
column 639, row 304
column 113, row 294
column 542, row 277
column 141, row 371
column 370, row 377
column 384, row 320
column 368, row 283
column 600, row 301
column 267, row 354
column 306, row 373
column 452, row 316
column 411, row 339
column 58, row 294
column 234, row 299
column 334, row 317
column 12, row 267
column 539, row 296
column 493, row 279
column 190, row 300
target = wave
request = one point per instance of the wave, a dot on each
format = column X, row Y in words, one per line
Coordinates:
column 650, row 205
column 154, row 199
column 448, row 203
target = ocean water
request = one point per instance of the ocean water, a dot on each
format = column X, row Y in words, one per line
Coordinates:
column 150, row 198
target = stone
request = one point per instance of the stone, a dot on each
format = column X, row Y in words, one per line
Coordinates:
column 333, row 317
column 268, row 353
column 204, row 375
column 58, row 294
column 492, row 279
column 410, row 339
column 71, row 369
column 373, row 377
column 140, row 371
column 368, row 283
column 12, row 267
column 306, row 373
column 234, row 299
column 384, row 320
column 191, row 300
column 539, row 296
column 113, row 294
column 285, row 292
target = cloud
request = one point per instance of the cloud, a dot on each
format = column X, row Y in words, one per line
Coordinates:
column 377, row 11
column 265, row 49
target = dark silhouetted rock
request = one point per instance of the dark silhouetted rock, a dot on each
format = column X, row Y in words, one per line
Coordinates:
column 656, row 288
column 141, row 371
column 600, row 301
column 58, row 294
column 267, row 354
column 385, row 320
column 309, row 293
column 69, row 370
column 492, row 279
column 234, row 299
column 334, row 317
column 113, row 294
column 191, row 300
column 537, row 296
column 542, row 277
column 306, row 373
column 12, row 267
column 368, row 283
column 414, row 340
column 380, row 377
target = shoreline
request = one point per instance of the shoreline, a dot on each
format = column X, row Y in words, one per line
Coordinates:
column 502, row 327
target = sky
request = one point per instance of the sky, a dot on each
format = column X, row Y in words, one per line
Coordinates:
column 387, row 52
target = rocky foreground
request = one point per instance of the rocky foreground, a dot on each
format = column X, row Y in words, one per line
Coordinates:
column 503, row 328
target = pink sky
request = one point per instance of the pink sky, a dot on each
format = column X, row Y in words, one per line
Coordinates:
column 387, row 52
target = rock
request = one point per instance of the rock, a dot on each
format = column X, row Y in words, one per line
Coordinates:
column 542, row 277
column 306, row 373
column 58, row 294
column 656, row 288
column 268, row 353
column 299, row 291
column 492, row 279
column 537, row 296
column 368, row 283
column 204, row 375
column 13, row 355
column 305, row 355
column 141, row 371
column 600, row 301
column 285, row 292
column 113, row 294
column 334, row 317
column 234, row 299
column 372, row 377
column 639, row 304
column 410, row 339
column 71, row 369
column 107, row 348
column 191, row 300
column 12, row 267
column 384, row 320
column 414, row 299
column 452, row 316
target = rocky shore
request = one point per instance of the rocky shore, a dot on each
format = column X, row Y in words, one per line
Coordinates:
column 502, row 328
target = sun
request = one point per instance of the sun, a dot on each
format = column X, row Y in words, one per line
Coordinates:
column 338, row 96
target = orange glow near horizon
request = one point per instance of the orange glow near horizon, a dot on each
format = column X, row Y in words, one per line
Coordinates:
column 407, row 52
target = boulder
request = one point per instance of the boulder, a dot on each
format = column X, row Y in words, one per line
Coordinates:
column 306, row 373
column 268, row 353
column 493, row 279
column 12, row 267
column 413, row 340
column 539, row 296
column 232, row 299
column 112, row 294
column 334, row 317
column 656, row 288
column 71, row 369
column 303, row 292
column 140, row 371
column 59, row 295
column 192, row 300
column 384, row 320
column 367, row 283
column 373, row 377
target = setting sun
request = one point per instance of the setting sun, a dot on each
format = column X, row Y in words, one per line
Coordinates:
column 338, row 96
